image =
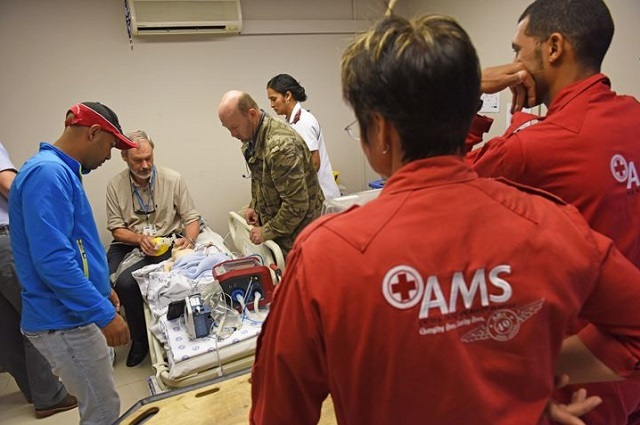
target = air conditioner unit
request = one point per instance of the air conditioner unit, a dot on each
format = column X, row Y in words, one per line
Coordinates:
column 185, row 16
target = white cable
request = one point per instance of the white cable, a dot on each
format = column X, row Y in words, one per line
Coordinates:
column 256, row 302
column 241, row 301
column 220, row 326
column 220, row 370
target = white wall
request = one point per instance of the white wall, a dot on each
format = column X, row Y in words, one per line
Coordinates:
column 491, row 25
column 57, row 53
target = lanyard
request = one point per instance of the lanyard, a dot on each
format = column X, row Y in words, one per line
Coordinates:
column 143, row 206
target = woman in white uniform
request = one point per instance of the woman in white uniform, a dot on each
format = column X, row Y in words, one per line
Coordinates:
column 285, row 95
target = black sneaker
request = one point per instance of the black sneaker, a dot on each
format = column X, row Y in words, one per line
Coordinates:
column 137, row 354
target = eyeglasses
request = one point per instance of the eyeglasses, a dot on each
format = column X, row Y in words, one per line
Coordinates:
column 144, row 208
column 353, row 130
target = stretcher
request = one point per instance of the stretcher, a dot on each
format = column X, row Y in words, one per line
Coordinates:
column 178, row 362
column 221, row 401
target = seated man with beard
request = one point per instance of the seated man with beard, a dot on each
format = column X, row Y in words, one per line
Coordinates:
column 143, row 202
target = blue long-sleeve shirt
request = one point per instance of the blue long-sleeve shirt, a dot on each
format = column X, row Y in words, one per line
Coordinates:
column 59, row 258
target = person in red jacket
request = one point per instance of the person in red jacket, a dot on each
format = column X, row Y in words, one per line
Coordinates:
column 447, row 299
column 585, row 150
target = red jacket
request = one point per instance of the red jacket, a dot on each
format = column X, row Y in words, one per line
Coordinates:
column 586, row 151
column 444, row 301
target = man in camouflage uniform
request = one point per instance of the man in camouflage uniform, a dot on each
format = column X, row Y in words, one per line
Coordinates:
column 285, row 193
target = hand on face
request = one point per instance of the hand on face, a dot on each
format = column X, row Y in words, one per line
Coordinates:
column 514, row 76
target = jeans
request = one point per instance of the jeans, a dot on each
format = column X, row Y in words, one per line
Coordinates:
column 19, row 357
column 80, row 357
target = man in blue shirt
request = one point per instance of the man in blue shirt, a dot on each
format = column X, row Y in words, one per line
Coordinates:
column 69, row 311
column 20, row 358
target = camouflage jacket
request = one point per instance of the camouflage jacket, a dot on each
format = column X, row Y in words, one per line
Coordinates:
column 284, row 185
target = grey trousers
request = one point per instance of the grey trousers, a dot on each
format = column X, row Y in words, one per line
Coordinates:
column 81, row 358
column 19, row 357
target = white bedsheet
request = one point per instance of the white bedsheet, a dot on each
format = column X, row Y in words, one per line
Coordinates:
column 187, row 356
column 192, row 274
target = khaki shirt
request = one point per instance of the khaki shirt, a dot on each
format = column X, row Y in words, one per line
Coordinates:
column 172, row 202
column 284, row 185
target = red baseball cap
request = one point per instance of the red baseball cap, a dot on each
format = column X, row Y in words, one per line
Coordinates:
column 90, row 113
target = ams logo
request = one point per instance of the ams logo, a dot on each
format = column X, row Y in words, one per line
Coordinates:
column 403, row 288
column 625, row 172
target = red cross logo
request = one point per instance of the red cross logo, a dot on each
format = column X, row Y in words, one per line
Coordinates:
column 403, row 287
column 619, row 168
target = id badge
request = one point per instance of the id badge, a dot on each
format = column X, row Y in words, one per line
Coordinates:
column 149, row 230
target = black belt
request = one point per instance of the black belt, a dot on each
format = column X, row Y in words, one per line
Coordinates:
column 4, row 229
